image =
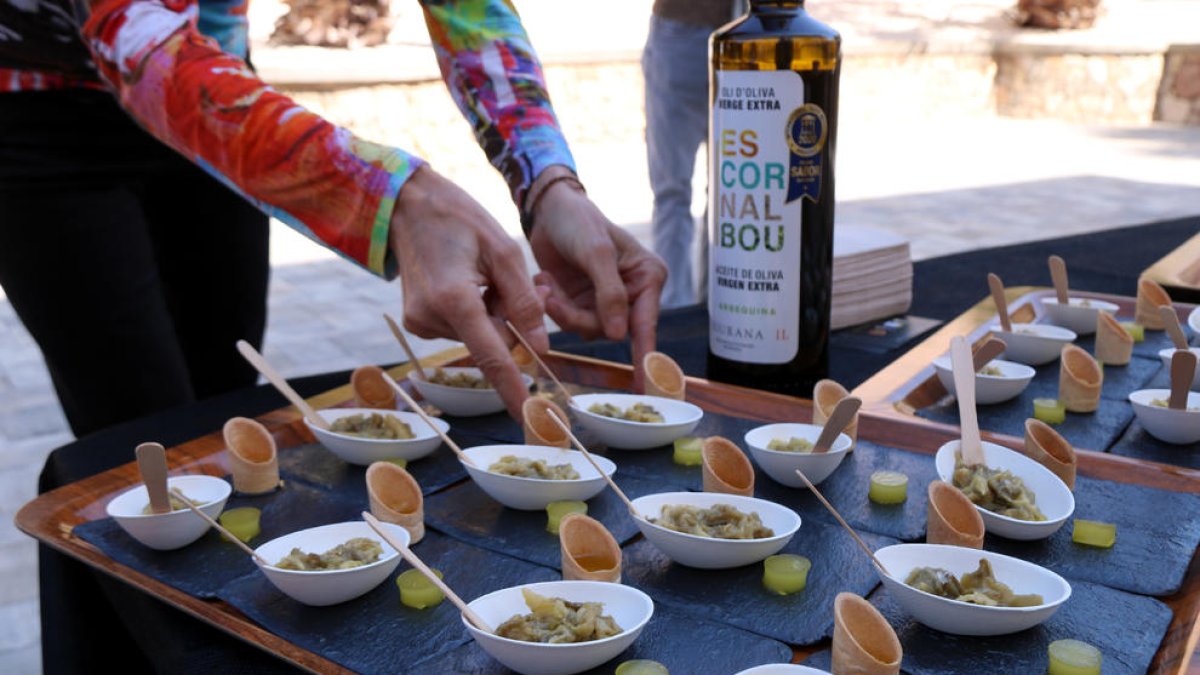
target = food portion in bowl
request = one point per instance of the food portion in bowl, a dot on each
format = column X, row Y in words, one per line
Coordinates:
column 638, row 412
column 1164, row 403
column 977, row 588
column 720, row 521
column 177, row 504
column 375, row 425
column 792, row 444
column 997, row 490
column 524, row 467
column 459, row 378
column 354, row 552
column 554, row 620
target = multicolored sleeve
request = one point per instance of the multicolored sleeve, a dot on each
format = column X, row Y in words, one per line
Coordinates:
column 207, row 104
column 496, row 79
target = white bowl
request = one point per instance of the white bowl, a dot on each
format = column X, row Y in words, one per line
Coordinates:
column 781, row 465
column 460, row 401
column 781, row 669
column 990, row 389
column 962, row 618
column 1034, row 343
column 706, row 552
column 167, row 531
column 1166, row 354
column 1076, row 315
column 1178, row 427
column 1193, row 321
column 364, row 451
column 628, row 606
column 681, row 418
column 1052, row 496
column 531, row 494
column 329, row 587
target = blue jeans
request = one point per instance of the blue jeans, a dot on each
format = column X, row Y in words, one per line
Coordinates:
column 675, row 66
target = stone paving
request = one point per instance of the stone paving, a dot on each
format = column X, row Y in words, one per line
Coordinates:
column 948, row 182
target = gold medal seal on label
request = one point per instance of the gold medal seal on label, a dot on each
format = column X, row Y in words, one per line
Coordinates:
column 806, row 130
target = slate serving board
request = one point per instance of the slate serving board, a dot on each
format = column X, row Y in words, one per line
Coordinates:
column 467, row 513
column 203, row 567
column 1119, row 381
column 736, row 596
column 847, row 490
column 684, row 644
column 375, row 633
column 1157, row 533
column 1126, row 628
column 1137, row 443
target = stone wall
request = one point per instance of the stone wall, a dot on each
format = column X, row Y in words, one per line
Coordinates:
column 1179, row 91
column 1083, row 88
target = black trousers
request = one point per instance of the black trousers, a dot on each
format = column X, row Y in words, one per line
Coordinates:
column 135, row 272
column 133, row 269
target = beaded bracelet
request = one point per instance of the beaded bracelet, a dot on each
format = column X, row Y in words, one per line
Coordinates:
column 527, row 214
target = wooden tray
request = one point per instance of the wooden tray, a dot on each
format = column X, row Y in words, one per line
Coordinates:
column 1179, row 271
column 910, row 383
column 51, row 517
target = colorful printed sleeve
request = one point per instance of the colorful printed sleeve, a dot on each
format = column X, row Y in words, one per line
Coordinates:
column 496, row 80
column 209, row 106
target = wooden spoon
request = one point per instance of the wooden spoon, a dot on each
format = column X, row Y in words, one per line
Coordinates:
column 987, row 351
column 1183, row 369
column 1058, row 272
column 964, row 391
column 268, row 371
column 152, row 463
column 220, row 528
column 997, row 288
column 1171, row 322
column 611, row 483
column 424, row 569
column 408, row 350
column 843, row 412
column 861, row 544
column 408, row 400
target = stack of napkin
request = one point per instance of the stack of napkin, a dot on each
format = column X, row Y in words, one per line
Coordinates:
column 872, row 275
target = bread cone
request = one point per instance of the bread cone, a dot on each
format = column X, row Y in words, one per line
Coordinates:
column 539, row 428
column 371, row 390
column 253, row 459
column 726, row 468
column 826, row 395
column 525, row 361
column 952, row 518
column 1079, row 380
column 589, row 551
column 395, row 497
column 1047, row 447
column 663, row 376
column 1150, row 296
column 863, row 641
column 1114, row 345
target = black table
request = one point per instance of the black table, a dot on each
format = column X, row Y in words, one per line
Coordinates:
column 95, row 619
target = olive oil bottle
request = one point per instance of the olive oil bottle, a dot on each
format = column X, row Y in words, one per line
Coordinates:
column 772, row 134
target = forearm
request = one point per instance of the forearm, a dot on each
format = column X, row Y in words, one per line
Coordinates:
column 497, row 82
column 210, row 107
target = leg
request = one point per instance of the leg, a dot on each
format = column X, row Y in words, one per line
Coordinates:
column 675, row 67
column 212, row 254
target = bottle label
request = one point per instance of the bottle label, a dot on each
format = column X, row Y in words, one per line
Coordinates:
column 766, row 151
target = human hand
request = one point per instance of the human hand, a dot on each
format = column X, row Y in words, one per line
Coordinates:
column 449, row 250
column 601, row 280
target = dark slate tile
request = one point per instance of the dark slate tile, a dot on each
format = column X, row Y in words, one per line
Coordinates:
column 682, row 643
column 1139, row 444
column 736, row 596
column 375, row 633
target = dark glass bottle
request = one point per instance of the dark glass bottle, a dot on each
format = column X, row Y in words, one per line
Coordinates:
column 772, row 135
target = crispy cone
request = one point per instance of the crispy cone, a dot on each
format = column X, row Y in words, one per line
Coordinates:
column 1114, row 345
column 525, row 361
column 1150, row 297
column 539, row 428
column 252, row 456
column 396, row 498
column 370, row 389
column 1079, row 380
column 826, row 395
column 1047, row 447
column 726, row 468
column 952, row 519
column 863, row 641
column 589, row 551
column 663, row 376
